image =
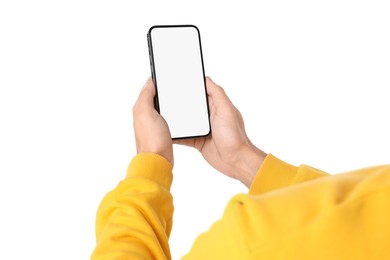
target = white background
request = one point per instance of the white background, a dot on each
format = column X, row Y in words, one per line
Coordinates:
column 310, row 77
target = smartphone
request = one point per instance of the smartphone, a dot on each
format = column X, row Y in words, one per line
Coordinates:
column 176, row 63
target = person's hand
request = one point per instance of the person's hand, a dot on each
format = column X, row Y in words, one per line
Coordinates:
column 151, row 131
column 227, row 149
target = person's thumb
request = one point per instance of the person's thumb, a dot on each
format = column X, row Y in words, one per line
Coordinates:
column 217, row 93
column 146, row 96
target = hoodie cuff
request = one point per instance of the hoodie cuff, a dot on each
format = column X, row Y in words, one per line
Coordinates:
column 273, row 174
column 153, row 167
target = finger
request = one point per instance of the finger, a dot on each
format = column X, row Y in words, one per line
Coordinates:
column 186, row 142
column 146, row 97
column 213, row 88
column 197, row 143
column 217, row 93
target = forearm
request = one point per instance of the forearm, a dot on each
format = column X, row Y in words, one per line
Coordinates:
column 135, row 219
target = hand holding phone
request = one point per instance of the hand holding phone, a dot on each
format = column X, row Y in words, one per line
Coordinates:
column 178, row 73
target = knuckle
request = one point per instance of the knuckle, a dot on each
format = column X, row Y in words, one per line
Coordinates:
column 219, row 89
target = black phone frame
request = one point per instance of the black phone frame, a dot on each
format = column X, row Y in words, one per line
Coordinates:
column 153, row 73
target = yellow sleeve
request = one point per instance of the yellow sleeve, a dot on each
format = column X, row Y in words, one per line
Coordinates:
column 134, row 220
column 274, row 174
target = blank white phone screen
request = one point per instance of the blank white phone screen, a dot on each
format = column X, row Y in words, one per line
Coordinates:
column 179, row 78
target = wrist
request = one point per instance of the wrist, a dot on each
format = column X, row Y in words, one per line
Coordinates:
column 166, row 153
column 248, row 163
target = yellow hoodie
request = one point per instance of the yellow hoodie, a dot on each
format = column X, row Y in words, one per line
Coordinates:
column 289, row 213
